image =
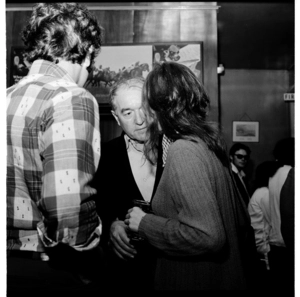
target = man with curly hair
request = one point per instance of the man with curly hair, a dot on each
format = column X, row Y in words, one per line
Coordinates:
column 53, row 151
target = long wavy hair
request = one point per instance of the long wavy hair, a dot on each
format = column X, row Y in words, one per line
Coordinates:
column 62, row 30
column 177, row 102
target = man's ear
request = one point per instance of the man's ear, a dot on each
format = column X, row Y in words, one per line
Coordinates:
column 231, row 159
column 115, row 116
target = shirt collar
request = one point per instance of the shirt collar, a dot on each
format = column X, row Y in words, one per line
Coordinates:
column 45, row 67
column 234, row 169
column 129, row 142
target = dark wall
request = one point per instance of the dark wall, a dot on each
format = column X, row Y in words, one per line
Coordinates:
column 257, row 95
column 142, row 26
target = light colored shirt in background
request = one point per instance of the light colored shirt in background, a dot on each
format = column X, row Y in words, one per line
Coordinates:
column 275, row 185
column 259, row 212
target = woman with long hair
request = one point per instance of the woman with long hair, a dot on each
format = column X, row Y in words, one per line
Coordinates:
column 199, row 225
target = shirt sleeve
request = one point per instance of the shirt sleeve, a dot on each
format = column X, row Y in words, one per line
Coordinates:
column 258, row 224
column 70, row 149
column 197, row 228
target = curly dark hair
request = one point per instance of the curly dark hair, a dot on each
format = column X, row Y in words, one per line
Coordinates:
column 177, row 100
column 62, row 30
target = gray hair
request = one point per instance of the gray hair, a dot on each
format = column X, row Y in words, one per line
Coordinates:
column 136, row 82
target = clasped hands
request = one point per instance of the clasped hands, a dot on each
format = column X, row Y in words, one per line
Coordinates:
column 120, row 233
column 133, row 218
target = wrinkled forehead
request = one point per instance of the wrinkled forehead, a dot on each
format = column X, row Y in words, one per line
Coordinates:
column 129, row 90
column 130, row 98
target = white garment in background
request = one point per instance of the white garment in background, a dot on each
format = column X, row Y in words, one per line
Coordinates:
column 259, row 212
column 275, row 185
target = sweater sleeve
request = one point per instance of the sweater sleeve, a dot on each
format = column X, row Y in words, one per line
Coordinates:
column 197, row 229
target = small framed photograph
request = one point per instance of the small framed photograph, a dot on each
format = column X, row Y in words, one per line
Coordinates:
column 245, row 131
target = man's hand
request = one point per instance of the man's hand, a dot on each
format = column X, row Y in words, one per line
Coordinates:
column 120, row 241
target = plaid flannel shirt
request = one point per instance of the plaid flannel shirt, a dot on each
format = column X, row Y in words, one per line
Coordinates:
column 53, row 151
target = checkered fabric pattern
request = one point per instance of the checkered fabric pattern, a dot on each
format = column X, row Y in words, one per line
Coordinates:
column 53, row 150
column 166, row 142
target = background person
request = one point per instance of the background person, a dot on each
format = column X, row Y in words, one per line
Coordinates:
column 200, row 224
column 279, row 256
column 287, row 215
column 124, row 175
column 259, row 211
column 239, row 155
column 53, row 150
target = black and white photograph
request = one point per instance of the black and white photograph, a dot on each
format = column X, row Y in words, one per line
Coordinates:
column 150, row 149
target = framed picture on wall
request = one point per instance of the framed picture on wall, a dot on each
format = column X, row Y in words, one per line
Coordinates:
column 19, row 65
column 189, row 54
column 117, row 62
column 123, row 61
column 131, row 60
column 245, row 131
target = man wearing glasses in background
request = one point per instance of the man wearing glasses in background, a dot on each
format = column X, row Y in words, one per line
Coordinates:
column 239, row 155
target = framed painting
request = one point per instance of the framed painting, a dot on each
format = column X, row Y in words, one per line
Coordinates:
column 189, row 54
column 245, row 131
column 130, row 60
column 123, row 61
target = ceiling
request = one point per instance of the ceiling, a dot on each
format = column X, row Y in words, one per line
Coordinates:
column 256, row 35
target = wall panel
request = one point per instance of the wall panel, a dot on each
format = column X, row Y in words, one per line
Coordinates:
column 256, row 95
column 118, row 25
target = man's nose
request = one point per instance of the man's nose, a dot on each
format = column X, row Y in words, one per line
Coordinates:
column 139, row 117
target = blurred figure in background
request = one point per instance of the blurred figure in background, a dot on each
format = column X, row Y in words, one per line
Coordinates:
column 281, row 268
column 239, row 155
column 287, row 215
column 287, row 211
column 259, row 211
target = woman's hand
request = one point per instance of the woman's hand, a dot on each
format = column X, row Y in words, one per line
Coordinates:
column 133, row 218
column 120, row 241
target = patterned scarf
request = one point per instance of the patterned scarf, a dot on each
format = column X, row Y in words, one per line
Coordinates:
column 166, row 142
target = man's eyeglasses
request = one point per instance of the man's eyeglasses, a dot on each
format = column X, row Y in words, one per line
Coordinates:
column 240, row 157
